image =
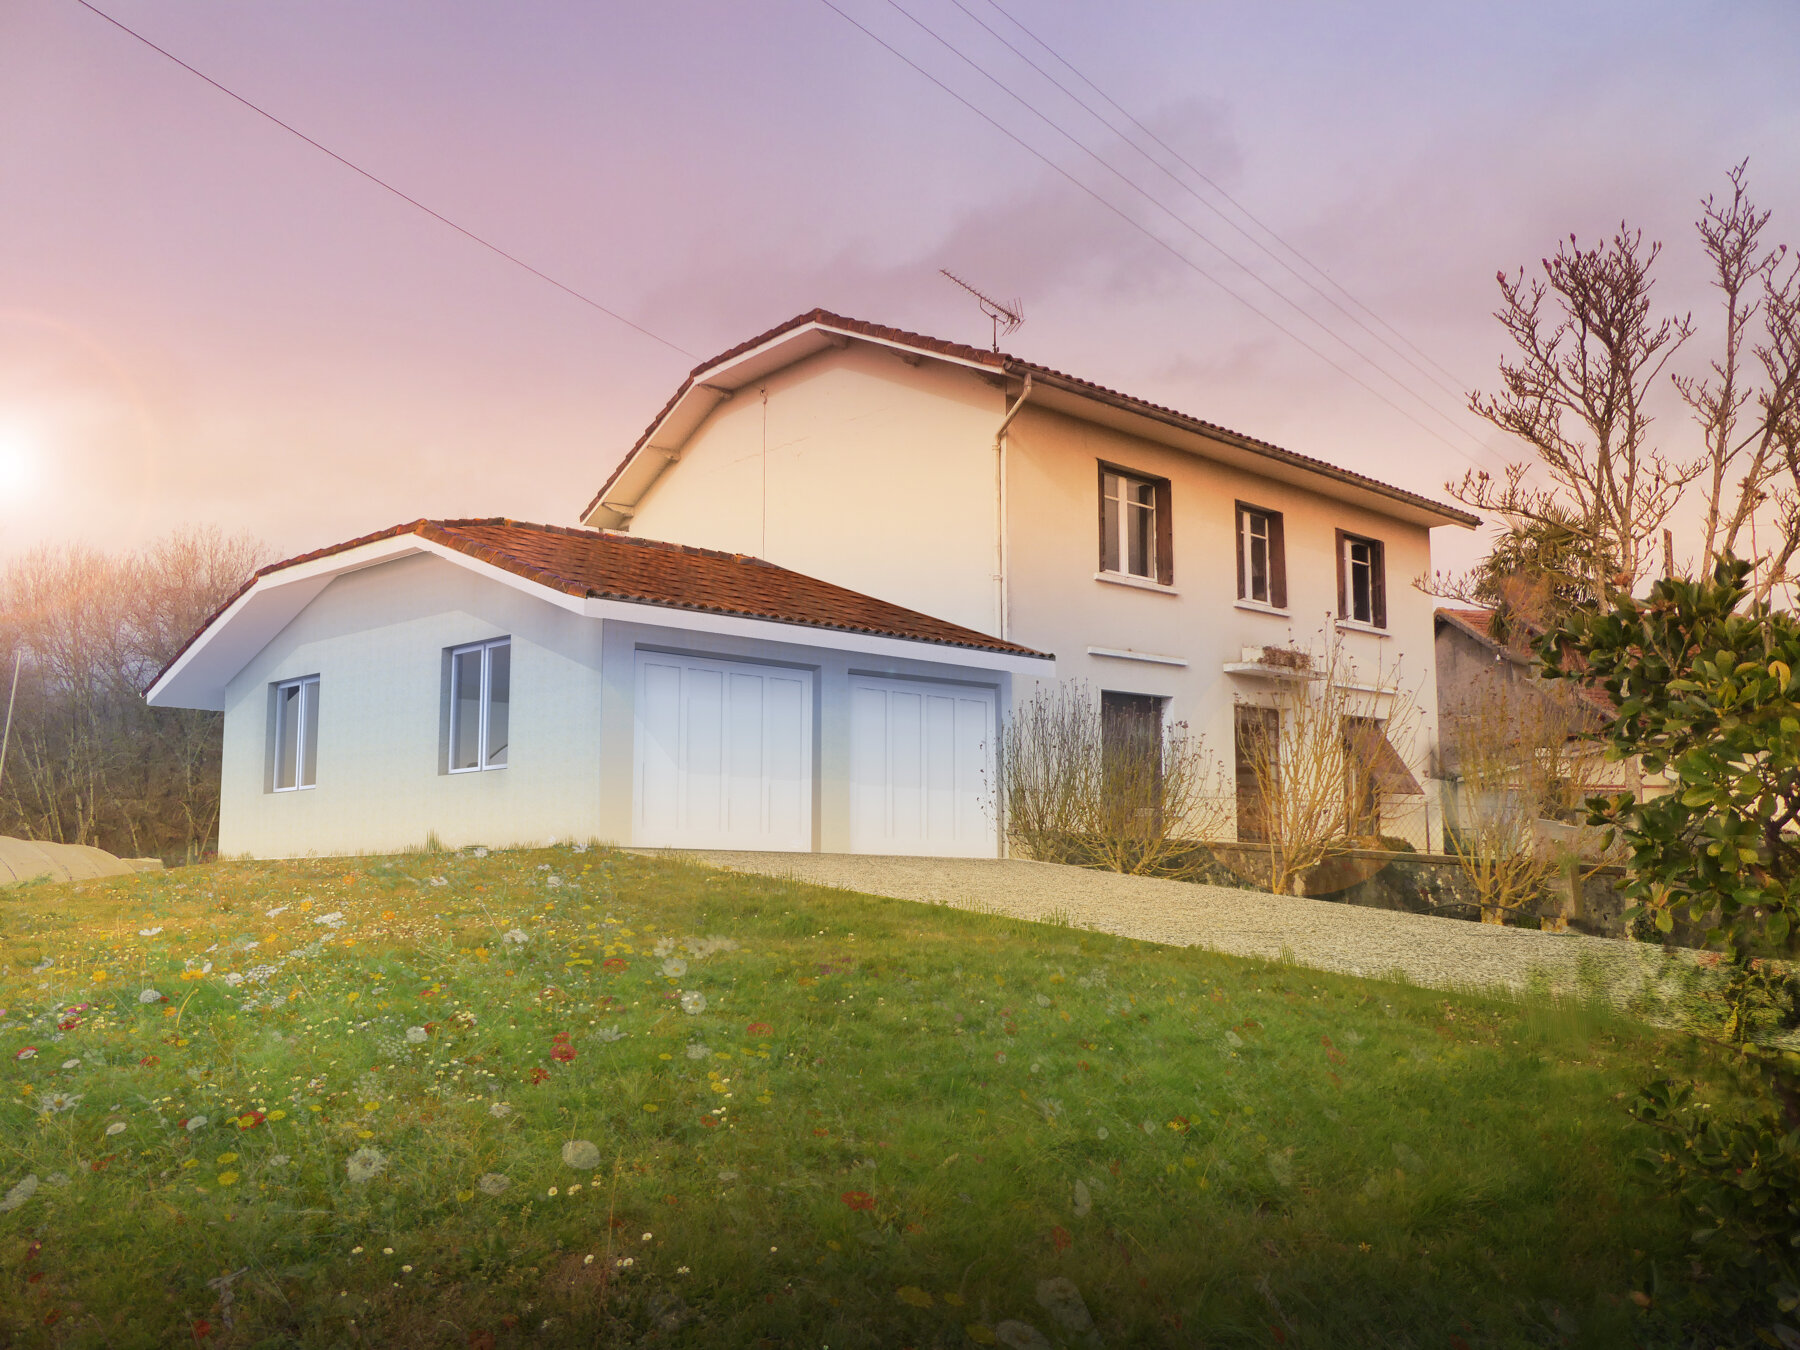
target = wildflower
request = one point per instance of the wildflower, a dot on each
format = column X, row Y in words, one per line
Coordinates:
column 228, row 1178
column 693, row 1001
column 415, row 1035
column 759, row 1029
column 149, row 932
column 150, row 1061
column 117, row 1127
column 71, row 1064
column 53, row 1103
column 913, row 1295
column 539, row 1074
column 499, row 1110
column 696, row 1050
column 609, row 1034
column 250, row 1120
column 366, row 1164
column 149, row 996
column 681, row 1270
column 28, row 1052
column 674, row 967
column 279, row 1160
column 232, row 978
column 20, row 1193
column 516, row 937
column 492, row 1183
column 614, row 964
column 623, row 1263
column 562, row 1053
column 553, row 1190
column 581, row 1153
column 858, row 1199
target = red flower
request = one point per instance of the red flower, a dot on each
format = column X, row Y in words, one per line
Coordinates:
column 858, row 1199
column 539, row 1074
column 759, row 1029
column 250, row 1120
column 68, row 1024
column 710, row 1122
column 148, row 1060
column 1060, row 1239
column 564, row 1053
column 202, row 1329
column 614, row 964
column 561, row 1038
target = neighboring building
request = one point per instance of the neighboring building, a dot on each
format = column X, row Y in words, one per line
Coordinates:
column 1157, row 555
column 909, row 526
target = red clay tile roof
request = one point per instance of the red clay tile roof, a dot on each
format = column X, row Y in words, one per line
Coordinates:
column 1012, row 365
column 603, row 565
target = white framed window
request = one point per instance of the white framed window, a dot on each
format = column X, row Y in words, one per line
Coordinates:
column 1132, row 537
column 1261, row 554
column 296, row 741
column 480, row 705
column 1362, row 583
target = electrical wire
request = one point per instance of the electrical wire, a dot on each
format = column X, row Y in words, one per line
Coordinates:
column 1143, row 229
column 1184, row 223
column 383, row 183
column 1201, row 174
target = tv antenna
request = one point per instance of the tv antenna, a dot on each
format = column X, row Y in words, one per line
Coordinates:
column 1006, row 317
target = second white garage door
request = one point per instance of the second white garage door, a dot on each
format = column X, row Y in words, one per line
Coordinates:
column 922, row 769
column 723, row 755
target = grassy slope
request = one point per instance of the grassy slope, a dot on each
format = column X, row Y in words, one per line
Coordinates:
column 1266, row 1154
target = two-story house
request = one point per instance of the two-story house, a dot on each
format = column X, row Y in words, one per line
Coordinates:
column 808, row 598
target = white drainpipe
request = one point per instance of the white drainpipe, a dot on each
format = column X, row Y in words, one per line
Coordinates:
column 1001, row 553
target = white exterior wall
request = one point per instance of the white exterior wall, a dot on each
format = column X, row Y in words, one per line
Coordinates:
column 880, row 477
column 376, row 639
column 1058, row 605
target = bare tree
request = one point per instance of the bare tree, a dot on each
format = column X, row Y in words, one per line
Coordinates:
column 1320, row 756
column 1136, row 803
column 1589, row 352
column 89, row 762
column 1524, row 759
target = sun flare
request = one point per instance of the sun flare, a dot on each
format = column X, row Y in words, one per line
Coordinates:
column 21, row 459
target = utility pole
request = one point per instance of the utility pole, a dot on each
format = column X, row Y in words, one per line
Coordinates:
column 6, row 735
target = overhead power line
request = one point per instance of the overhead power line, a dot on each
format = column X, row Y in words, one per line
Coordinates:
column 1201, row 174
column 1143, row 229
column 380, row 182
column 1184, row 223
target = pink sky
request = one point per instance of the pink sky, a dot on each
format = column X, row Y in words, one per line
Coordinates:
column 204, row 320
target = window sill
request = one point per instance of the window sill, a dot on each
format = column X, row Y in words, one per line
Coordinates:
column 1352, row 626
column 1257, row 607
column 1136, row 583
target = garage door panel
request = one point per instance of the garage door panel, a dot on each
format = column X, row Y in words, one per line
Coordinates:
column 724, row 755
column 921, row 769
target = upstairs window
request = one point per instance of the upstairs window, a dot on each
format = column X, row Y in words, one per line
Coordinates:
column 480, row 705
column 1362, row 581
column 1261, row 557
column 296, row 740
column 1134, row 526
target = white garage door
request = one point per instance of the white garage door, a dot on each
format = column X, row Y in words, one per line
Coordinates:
column 723, row 755
column 922, row 769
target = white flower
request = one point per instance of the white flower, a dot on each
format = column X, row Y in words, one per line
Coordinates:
column 693, row 1001
column 581, row 848
column 279, row 909
column 53, row 1103
column 117, row 1127
column 648, row 1236
column 57, row 1179
column 149, row 932
column 478, row 853
column 609, row 1034
column 697, row 1051
column 366, row 1164
column 518, row 937
column 439, row 881
column 20, row 1193
column 492, row 1183
column 279, row 1160
column 71, row 1064
column 232, row 978
column 674, row 967
column 335, row 919
column 415, row 1035
column 623, row 1262
column 499, row 1110
column 149, row 996
column 194, row 1123
column 582, row 1154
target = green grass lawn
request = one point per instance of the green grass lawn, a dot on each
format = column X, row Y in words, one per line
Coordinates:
column 573, row 1097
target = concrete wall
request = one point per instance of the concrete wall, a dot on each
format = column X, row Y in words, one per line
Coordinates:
column 377, row 640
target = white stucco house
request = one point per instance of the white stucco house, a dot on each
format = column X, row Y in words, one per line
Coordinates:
column 803, row 606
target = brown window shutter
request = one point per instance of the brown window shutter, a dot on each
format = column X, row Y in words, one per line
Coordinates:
column 1277, row 561
column 1338, row 608
column 1378, row 583
column 1100, row 534
column 1165, row 535
column 1243, row 580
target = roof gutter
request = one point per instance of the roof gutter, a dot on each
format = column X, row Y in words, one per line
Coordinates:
column 1002, row 550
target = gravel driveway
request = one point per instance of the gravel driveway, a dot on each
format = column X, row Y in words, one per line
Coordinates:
column 1444, row 953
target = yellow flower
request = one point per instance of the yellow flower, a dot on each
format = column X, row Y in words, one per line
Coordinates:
column 225, row 1158
column 465, row 1195
column 649, row 1106
column 277, row 1115
column 981, row 1335
column 912, row 1294
column 228, row 1178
